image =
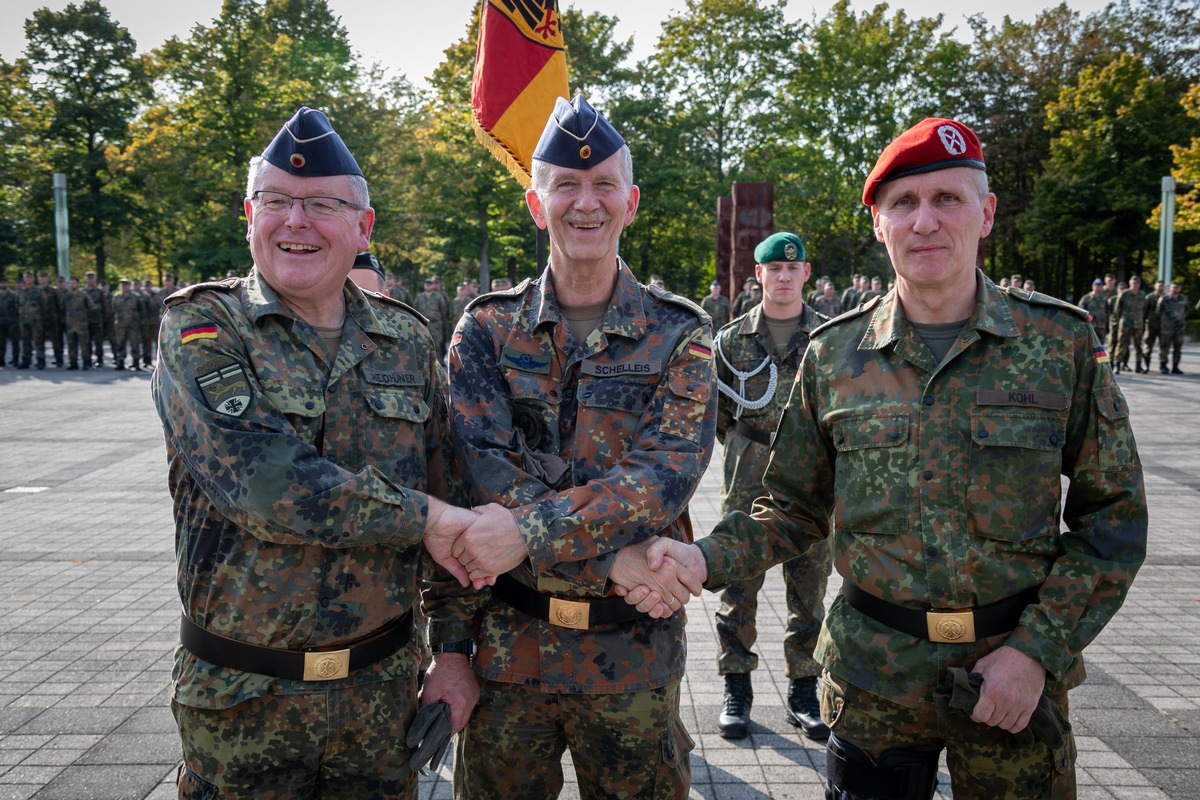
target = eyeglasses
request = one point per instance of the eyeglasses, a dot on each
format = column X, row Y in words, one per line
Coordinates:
column 280, row 203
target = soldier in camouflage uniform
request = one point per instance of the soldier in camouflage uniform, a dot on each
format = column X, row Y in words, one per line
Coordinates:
column 52, row 319
column 1153, row 322
column 757, row 357
column 128, row 317
column 434, row 306
column 929, row 434
column 716, row 305
column 95, row 319
column 77, row 309
column 308, row 448
column 827, row 303
column 31, row 313
column 154, row 308
column 10, row 326
column 1129, row 317
column 584, row 410
column 1172, row 315
column 1096, row 304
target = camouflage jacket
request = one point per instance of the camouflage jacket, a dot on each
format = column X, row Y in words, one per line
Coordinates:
column 743, row 345
column 127, row 309
column 435, row 308
column 30, row 304
column 630, row 413
column 943, row 486
column 828, row 306
column 1172, row 312
column 99, row 299
column 1129, row 309
column 717, row 309
column 8, row 307
column 1151, row 310
column 300, row 487
column 1097, row 307
column 78, row 309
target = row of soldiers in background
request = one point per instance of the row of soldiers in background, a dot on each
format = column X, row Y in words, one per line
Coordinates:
column 824, row 297
column 1124, row 315
column 76, row 320
column 442, row 312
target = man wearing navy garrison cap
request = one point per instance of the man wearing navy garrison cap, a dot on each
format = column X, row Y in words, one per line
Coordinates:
column 928, row 434
column 583, row 411
column 309, row 457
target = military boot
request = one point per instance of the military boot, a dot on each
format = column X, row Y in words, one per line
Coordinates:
column 804, row 710
column 734, row 722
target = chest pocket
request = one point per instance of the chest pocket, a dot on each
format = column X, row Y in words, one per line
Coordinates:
column 1015, row 456
column 302, row 408
column 535, row 409
column 685, row 405
column 1114, row 434
column 872, row 473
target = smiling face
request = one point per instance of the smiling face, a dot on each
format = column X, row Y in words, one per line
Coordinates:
column 584, row 210
column 931, row 225
column 306, row 259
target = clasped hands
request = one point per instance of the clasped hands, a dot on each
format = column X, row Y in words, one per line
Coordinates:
column 658, row 575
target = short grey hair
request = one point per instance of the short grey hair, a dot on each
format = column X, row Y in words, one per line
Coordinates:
column 359, row 193
column 538, row 172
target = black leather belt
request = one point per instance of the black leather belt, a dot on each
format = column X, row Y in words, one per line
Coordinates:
column 753, row 434
column 563, row 612
column 944, row 625
column 296, row 665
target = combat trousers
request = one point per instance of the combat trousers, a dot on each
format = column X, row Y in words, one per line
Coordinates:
column 804, row 580
column 1172, row 347
column 346, row 742
column 625, row 745
column 55, row 332
column 149, row 334
column 10, row 339
column 985, row 763
column 96, row 335
column 1152, row 334
column 1129, row 333
column 33, row 343
column 124, row 340
column 77, row 341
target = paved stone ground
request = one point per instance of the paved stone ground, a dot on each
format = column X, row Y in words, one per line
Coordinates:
column 88, row 614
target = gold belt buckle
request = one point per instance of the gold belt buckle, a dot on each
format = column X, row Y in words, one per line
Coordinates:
column 327, row 665
column 569, row 613
column 951, row 627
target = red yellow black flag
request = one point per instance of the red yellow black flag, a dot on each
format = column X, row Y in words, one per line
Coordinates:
column 520, row 68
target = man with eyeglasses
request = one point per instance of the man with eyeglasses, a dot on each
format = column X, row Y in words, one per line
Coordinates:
column 309, row 454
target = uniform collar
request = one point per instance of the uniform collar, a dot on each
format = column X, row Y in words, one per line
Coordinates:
column 626, row 314
column 261, row 300
column 991, row 314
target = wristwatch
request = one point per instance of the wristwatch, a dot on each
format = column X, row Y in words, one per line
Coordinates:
column 464, row 646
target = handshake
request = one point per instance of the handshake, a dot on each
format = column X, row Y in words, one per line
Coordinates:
column 658, row 575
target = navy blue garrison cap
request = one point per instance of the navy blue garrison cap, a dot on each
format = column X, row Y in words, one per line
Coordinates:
column 307, row 146
column 577, row 136
column 368, row 261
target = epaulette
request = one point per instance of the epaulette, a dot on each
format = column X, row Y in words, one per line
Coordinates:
column 668, row 297
column 1039, row 299
column 184, row 294
column 398, row 303
column 857, row 311
column 512, row 291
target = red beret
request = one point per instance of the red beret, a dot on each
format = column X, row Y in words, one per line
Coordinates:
column 928, row 146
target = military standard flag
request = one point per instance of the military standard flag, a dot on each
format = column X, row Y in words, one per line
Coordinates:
column 520, row 68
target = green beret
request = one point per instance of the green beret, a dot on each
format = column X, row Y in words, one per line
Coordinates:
column 780, row 247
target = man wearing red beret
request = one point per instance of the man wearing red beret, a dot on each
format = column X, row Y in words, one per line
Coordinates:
column 927, row 433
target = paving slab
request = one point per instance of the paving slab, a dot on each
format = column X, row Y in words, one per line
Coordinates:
column 88, row 615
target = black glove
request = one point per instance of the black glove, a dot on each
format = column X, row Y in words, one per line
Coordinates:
column 430, row 735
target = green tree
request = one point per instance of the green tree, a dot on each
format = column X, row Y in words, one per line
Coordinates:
column 856, row 82
column 86, row 72
column 1112, row 135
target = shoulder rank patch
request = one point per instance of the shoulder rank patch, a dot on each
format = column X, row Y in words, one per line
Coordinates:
column 206, row 331
column 224, row 385
column 526, row 362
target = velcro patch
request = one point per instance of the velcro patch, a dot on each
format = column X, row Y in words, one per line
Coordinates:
column 394, row 378
column 604, row 370
column 224, row 385
column 526, row 362
column 1055, row 401
column 700, row 351
column 207, row 331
